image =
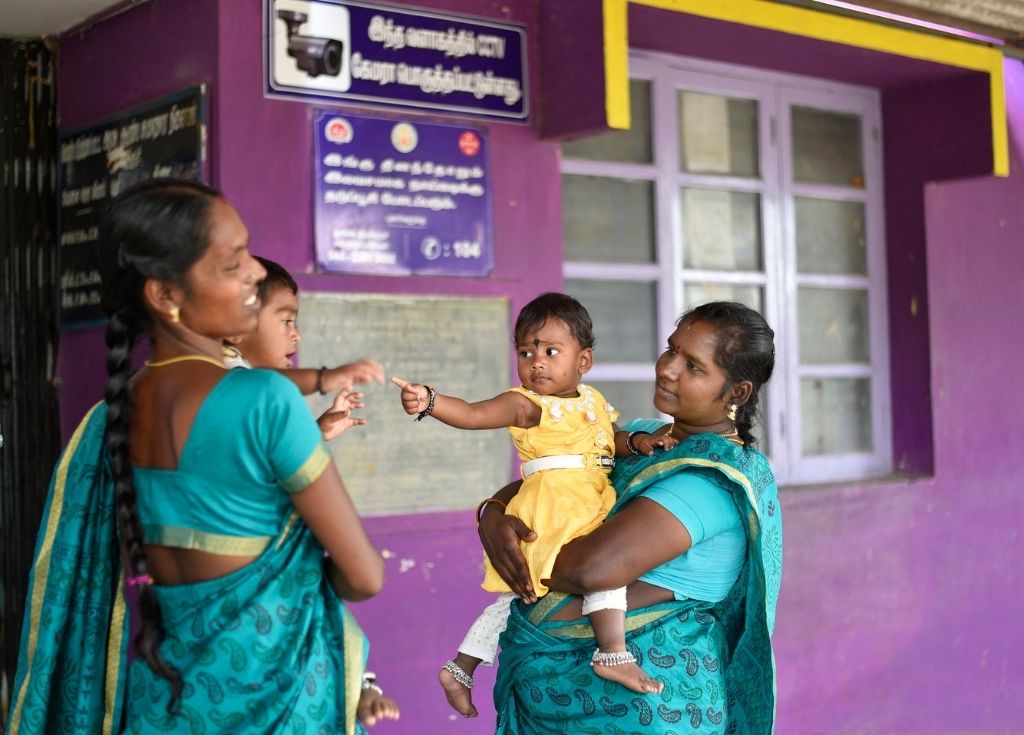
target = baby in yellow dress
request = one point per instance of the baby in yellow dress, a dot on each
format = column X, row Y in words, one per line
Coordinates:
column 565, row 435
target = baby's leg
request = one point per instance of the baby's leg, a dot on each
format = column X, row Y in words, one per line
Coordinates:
column 479, row 646
column 607, row 613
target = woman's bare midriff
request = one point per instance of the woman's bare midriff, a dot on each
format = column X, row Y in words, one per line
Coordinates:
column 170, row 566
column 639, row 594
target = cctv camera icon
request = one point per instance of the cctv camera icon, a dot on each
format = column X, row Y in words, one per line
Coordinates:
column 312, row 54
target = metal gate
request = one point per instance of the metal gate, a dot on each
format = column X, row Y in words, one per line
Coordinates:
column 29, row 417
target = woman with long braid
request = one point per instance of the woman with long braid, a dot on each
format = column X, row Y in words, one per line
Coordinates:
column 208, row 491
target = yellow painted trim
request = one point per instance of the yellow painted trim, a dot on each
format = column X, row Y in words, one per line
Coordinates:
column 616, row 64
column 111, row 688
column 821, row 26
column 42, row 563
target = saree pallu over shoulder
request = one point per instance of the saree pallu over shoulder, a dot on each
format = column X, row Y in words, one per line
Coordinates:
column 73, row 642
column 269, row 648
column 715, row 659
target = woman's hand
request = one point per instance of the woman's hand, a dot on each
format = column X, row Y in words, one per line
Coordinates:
column 500, row 534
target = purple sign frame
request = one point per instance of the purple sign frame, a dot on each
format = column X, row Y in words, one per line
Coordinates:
column 395, row 197
column 387, row 55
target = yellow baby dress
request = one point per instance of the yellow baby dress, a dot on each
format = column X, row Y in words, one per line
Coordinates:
column 561, row 504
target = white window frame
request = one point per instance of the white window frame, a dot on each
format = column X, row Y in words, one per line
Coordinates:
column 775, row 93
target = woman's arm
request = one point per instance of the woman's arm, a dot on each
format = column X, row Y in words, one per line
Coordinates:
column 642, row 536
column 356, row 569
column 500, row 535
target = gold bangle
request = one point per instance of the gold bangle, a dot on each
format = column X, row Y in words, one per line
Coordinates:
column 483, row 504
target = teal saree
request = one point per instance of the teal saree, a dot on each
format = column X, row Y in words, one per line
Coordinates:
column 269, row 648
column 714, row 659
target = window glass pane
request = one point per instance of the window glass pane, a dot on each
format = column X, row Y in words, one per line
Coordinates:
column 717, row 135
column 625, row 318
column 721, row 229
column 833, row 325
column 634, row 400
column 695, row 293
column 826, row 147
column 830, row 236
column 624, row 146
column 607, row 220
column 836, row 415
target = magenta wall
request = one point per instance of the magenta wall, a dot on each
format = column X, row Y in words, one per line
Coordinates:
column 900, row 601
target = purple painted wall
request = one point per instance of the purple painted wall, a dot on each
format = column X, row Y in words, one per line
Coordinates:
column 900, row 607
column 900, row 600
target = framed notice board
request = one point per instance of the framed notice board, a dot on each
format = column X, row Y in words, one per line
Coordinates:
column 460, row 346
column 163, row 138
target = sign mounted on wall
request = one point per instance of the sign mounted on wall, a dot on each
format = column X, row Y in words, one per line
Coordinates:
column 164, row 138
column 395, row 197
column 374, row 55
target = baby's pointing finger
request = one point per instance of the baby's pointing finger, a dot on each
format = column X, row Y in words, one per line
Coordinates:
column 400, row 383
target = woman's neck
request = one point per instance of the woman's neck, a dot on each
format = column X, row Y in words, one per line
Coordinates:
column 682, row 431
column 168, row 345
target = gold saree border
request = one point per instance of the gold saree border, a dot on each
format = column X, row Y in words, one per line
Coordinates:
column 311, row 469
column 111, row 688
column 218, row 543
column 42, row 563
column 586, row 630
column 352, row 645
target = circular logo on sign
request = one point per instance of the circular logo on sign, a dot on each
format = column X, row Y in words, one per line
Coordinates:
column 469, row 143
column 404, row 137
column 430, row 247
column 338, row 130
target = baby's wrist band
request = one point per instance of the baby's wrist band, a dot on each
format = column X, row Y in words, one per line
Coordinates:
column 430, row 404
column 629, row 441
column 320, row 380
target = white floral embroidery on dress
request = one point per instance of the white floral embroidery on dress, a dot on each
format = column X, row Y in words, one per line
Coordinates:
column 556, row 411
column 591, row 417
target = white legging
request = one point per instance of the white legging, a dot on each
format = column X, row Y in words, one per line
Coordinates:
column 482, row 639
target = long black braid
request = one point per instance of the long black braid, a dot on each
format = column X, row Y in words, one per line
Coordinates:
column 154, row 230
column 745, row 351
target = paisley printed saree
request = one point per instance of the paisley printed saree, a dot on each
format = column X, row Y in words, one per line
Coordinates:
column 714, row 659
column 269, row 648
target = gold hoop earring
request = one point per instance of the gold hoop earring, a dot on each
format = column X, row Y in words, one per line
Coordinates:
column 175, row 314
column 731, row 413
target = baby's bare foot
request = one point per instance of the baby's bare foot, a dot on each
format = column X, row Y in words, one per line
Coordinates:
column 458, row 695
column 628, row 674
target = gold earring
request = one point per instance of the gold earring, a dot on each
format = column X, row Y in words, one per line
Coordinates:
column 175, row 314
column 731, row 413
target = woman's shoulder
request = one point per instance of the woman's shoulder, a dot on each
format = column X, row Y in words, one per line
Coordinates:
column 255, row 387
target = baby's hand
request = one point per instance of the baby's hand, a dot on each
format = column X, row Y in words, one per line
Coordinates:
column 414, row 396
column 646, row 443
column 360, row 372
column 338, row 418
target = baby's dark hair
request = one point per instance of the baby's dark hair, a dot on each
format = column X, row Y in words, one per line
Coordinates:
column 277, row 277
column 745, row 351
column 156, row 229
column 553, row 305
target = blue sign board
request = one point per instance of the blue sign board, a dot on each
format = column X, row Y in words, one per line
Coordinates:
column 395, row 197
column 387, row 55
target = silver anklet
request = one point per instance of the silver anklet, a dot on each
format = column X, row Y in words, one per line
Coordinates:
column 458, row 674
column 617, row 658
column 370, row 683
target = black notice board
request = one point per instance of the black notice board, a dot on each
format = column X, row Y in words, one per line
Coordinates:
column 99, row 161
